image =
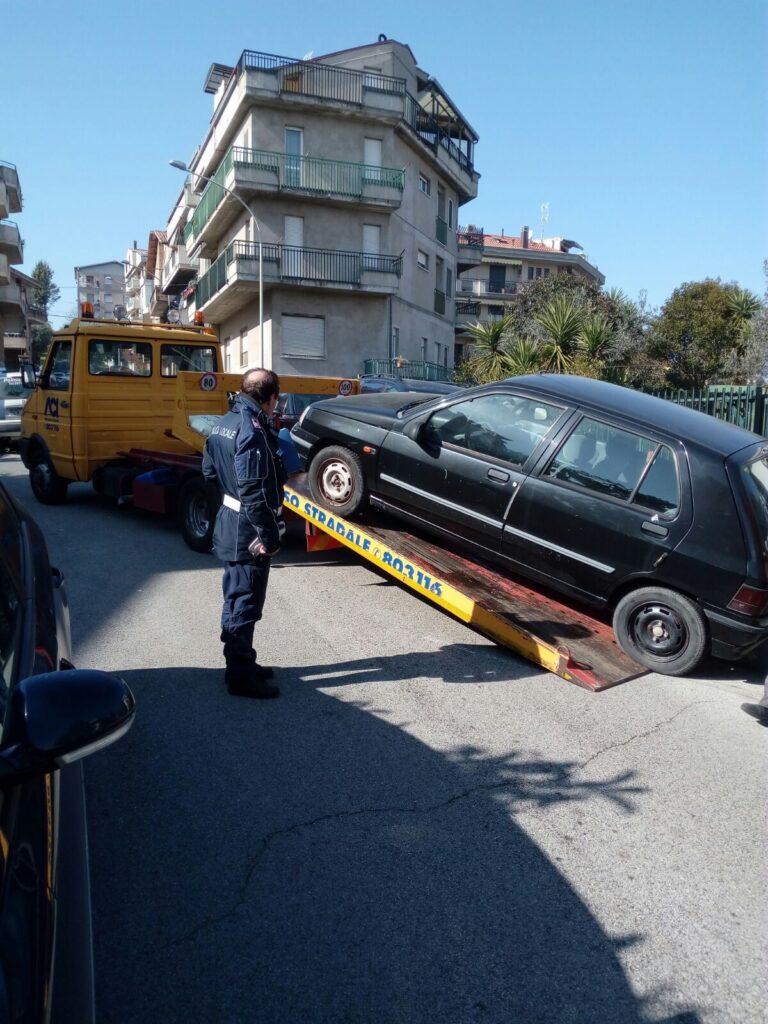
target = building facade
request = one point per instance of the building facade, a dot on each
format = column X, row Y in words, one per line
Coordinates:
column 341, row 180
column 493, row 267
column 103, row 285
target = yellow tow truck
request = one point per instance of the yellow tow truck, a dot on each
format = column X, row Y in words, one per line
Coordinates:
column 128, row 406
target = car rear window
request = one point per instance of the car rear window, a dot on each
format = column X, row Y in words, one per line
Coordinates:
column 755, row 476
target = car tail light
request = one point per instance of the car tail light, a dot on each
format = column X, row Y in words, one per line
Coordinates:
column 749, row 601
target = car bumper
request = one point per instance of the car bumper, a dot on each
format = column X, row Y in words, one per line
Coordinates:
column 303, row 441
column 10, row 429
column 733, row 639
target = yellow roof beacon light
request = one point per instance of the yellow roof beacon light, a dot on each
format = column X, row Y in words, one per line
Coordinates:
column 86, row 310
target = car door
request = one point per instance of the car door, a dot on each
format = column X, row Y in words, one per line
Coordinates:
column 607, row 504
column 55, row 424
column 464, row 468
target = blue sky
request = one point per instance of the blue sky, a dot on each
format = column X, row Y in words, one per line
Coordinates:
column 642, row 124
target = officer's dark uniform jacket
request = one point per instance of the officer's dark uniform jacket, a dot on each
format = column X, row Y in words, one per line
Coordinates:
column 243, row 457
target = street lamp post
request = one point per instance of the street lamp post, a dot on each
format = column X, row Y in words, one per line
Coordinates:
column 181, row 166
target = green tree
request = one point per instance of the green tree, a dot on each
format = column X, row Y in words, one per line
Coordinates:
column 696, row 332
column 41, row 340
column 562, row 321
column 489, row 358
column 46, row 292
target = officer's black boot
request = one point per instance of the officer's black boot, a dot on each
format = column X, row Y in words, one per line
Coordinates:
column 243, row 681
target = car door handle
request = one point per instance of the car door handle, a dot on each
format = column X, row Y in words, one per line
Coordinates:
column 660, row 531
column 499, row 475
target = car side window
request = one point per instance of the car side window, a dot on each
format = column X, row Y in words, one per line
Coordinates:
column 660, row 487
column 507, row 427
column 60, row 366
column 602, row 458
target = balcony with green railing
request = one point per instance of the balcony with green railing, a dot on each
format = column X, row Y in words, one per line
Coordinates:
column 301, row 266
column 416, row 369
column 249, row 171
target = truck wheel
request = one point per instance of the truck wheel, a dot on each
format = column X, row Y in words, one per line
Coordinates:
column 197, row 509
column 47, row 486
column 663, row 630
column 336, row 480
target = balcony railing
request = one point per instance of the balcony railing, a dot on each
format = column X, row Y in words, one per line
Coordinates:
column 489, row 287
column 467, row 308
column 326, row 81
column 439, row 301
column 441, row 230
column 416, row 370
column 471, row 238
column 296, row 263
column 295, row 173
column 432, row 131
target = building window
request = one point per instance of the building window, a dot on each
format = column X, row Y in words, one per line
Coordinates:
column 395, row 343
column 425, row 185
column 546, row 272
column 450, row 213
column 438, row 352
column 424, row 344
column 243, row 346
column 448, row 283
column 422, row 259
column 227, row 355
column 303, row 337
column 530, row 273
column 107, row 279
column 496, row 311
column 538, row 271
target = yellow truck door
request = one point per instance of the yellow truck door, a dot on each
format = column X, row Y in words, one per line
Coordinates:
column 55, row 407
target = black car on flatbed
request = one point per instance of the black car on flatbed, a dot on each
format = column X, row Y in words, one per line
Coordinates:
column 611, row 496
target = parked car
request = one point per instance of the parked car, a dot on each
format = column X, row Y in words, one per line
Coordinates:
column 51, row 716
column 290, row 407
column 13, row 396
column 380, row 382
column 611, row 496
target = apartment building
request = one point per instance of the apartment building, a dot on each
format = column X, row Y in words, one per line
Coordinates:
column 136, row 286
column 11, row 255
column 493, row 267
column 101, row 284
column 327, row 233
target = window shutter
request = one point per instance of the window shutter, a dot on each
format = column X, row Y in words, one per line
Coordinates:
column 303, row 337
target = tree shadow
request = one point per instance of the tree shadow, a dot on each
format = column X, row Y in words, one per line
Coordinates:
column 304, row 860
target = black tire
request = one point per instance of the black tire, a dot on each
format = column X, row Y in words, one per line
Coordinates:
column 662, row 630
column 47, row 486
column 197, row 507
column 336, row 480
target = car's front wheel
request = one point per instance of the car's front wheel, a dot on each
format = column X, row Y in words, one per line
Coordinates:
column 336, row 480
column 661, row 629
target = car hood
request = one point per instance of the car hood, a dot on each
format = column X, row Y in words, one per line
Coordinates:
column 380, row 409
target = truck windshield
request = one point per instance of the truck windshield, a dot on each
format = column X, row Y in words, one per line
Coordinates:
column 175, row 359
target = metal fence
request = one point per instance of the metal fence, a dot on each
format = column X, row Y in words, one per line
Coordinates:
column 743, row 405
column 414, row 369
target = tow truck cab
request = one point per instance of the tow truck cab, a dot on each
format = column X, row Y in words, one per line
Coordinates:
column 107, row 387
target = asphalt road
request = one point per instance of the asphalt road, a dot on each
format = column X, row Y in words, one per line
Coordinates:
column 423, row 828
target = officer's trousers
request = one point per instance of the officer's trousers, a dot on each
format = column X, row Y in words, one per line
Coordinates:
column 244, row 587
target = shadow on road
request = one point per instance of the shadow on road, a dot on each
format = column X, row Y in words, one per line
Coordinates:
column 303, row 860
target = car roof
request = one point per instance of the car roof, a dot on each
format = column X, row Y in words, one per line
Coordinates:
column 640, row 409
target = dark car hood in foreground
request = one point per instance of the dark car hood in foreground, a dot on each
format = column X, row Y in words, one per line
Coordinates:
column 379, row 409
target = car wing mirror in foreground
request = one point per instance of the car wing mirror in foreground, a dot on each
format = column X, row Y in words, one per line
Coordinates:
column 28, row 375
column 416, row 428
column 59, row 717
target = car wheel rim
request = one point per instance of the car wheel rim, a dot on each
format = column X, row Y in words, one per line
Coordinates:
column 336, row 482
column 197, row 516
column 659, row 631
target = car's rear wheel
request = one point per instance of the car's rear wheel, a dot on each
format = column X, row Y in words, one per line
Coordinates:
column 197, row 507
column 336, row 480
column 47, row 486
column 661, row 629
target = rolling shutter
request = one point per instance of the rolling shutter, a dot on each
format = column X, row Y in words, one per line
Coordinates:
column 303, row 337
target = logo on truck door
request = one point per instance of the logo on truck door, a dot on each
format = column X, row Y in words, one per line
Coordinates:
column 51, row 407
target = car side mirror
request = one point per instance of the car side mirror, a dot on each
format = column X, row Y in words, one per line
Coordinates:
column 28, row 379
column 415, row 428
column 59, row 717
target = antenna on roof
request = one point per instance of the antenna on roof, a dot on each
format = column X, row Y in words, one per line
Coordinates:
column 544, row 217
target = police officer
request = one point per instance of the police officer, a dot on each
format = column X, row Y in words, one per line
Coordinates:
column 243, row 458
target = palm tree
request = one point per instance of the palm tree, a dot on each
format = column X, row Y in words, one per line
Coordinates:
column 489, row 356
column 742, row 307
column 594, row 337
column 562, row 321
column 525, row 356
